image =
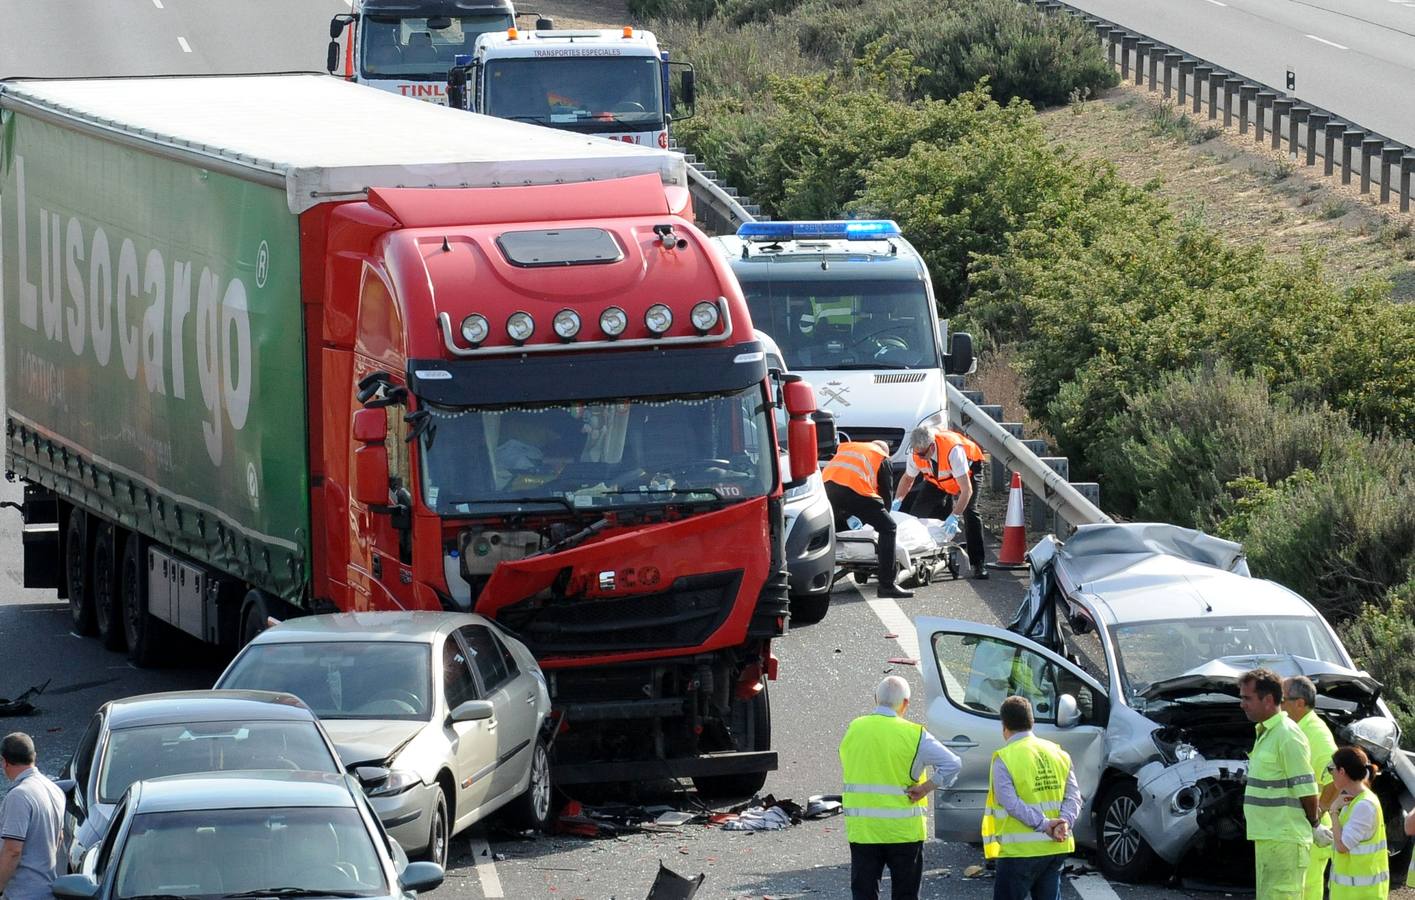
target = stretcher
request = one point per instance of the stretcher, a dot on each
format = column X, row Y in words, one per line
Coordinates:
column 922, row 547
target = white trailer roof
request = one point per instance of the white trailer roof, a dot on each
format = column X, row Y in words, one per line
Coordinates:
column 322, row 138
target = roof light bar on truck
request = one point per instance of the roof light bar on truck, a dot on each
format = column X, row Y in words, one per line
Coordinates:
column 854, row 230
column 706, row 315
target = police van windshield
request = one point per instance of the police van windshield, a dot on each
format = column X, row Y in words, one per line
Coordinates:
column 395, row 47
column 834, row 324
column 579, row 93
column 600, row 454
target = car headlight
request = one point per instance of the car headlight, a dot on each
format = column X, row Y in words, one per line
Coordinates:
column 802, row 490
column 398, row 781
column 938, row 418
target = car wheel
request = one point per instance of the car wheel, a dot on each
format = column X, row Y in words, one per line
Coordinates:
column 532, row 810
column 439, row 832
column 751, row 726
column 1124, row 855
column 809, row 609
column 144, row 632
column 76, row 580
column 107, row 616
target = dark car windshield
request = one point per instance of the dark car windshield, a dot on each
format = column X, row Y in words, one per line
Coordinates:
column 1149, row 652
column 342, row 679
column 837, row 324
column 411, row 48
column 151, row 751
column 600, row 454
column 220, row 852
column 597, row 93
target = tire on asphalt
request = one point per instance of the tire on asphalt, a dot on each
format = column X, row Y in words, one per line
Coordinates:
column 76, row 581
column 808, row 609
column 751, row 727
column 146, row 634
column 439, row 834
column 535, row 808
column 255, row 611
column 1122, row 853
column 107, row 609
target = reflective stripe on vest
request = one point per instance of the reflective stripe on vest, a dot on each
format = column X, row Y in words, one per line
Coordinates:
column 877, row 756
column 1364, row 870
column 936, row 471
column 1039, row 770
column 1272, row 799
column 856, row 466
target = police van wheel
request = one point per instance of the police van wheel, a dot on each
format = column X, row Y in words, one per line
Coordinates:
column 1123, row 854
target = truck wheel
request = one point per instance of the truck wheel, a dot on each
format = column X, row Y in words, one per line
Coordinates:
column 253, row 617
column 143, row 631
column 809, row 609
column 107, row 616
column 531, row 810
column 76, row 581
column 751, row 728
column 1124, row 855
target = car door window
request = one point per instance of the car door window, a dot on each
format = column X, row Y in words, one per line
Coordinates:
column 457, row 681
column 109, row 841
column 978, row 673
column 486, row 656
column 1081, row 646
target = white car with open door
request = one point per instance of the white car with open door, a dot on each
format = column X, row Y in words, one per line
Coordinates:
column 1129, row 644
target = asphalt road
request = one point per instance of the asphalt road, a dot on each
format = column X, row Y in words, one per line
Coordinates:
column 1355, row 58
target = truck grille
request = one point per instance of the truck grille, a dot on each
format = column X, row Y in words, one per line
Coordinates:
column 685, row 615
column 892, row 436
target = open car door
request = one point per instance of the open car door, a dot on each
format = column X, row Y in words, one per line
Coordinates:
column 969, row 669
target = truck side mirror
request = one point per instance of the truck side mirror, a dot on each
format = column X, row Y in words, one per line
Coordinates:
column 371, row 459
column 960, row 360
column 545, row 23
column 331, row 60
column 801, row 428
column 370, row 426
column 337, row 26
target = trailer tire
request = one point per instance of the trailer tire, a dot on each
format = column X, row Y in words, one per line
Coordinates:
column 755, row 715
column 107, row 609
column 146, row 634
column 808, row 609
column 257, row 608
column 76, row 580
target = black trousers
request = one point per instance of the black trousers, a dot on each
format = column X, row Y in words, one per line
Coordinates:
column 872, row 511
column 906, row 870
column 928, row 502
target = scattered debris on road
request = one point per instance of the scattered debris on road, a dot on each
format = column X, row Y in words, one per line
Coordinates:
column 21, row 705
column 669, row 885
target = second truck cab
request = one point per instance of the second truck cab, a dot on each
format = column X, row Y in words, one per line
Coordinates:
column 607, row 82
column 407, row 46
column 852, row 308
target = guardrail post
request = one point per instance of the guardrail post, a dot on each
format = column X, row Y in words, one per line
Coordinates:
column 1128, row 43
column 1316, row 122
column 1043, row 519
column 1103, row 32
column 1265, row 101
column 1246, row 95
column 1230, row 87
column 1294, row 123
column 1334, row 132
column 1143, row 51
column 1407, row 168
column 1369, row 147
column 1390, row 159
column 1349, row 142
column 1001, row 474
column 1281, row 107
column 1154, row 68
column 1186, row 69
column 1170, row 61
column 1203, row 75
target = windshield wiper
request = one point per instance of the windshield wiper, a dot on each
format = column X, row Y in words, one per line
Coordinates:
column 160, row 897
column 855, row 367
column 711, row 492
column 511, row 501
column 292, row 892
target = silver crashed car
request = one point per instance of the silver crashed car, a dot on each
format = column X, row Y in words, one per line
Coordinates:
column 1130, row 644
column 443, row 717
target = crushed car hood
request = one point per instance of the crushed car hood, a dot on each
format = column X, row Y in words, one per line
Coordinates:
column 365, row 741
column 1220, row 676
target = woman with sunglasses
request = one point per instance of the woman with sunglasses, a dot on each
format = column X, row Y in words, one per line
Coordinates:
column 1360, row 866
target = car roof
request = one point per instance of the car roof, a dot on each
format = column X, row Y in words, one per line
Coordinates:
column 176, row 707
column 242, row 790
column 370, row 626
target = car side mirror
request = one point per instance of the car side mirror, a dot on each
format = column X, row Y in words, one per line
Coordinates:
column 331, row 59
column 473, row 711
column 1067, row 715
column 417, row 877
column 85, row 887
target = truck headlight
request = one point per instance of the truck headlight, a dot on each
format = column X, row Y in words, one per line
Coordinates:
column 520, row 326
column 613, row 322
column 475, row 329
column 567, row 324
column 705, row 316
column 659, row 318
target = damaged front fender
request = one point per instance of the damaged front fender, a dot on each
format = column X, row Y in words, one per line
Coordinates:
column 1189, row 801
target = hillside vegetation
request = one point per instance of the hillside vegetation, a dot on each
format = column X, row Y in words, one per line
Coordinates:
column 1202, row 381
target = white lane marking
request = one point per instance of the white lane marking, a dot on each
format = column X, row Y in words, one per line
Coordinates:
column 1322, row 40
column 896, row 621
column 486, row 868
column 186, row 48
column 1094, row 887
column 158, row 4
column 1217, row 3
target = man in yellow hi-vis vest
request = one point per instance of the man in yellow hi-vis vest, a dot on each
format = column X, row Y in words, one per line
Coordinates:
column 1299, row 701
column 1032, row 805
column 1280, row 799
column 883, row 757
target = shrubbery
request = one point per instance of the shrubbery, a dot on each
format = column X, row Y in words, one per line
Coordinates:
column 1382, row 641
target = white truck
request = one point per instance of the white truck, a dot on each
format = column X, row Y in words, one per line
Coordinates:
column 613, row 83
column 851, row 306
column 407, row 46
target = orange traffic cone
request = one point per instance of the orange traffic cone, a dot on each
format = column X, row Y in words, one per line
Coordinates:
column 1013, row 554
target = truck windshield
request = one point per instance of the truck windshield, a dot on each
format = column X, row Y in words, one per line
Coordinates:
column 396, row 47
column 600, row 454
column 839, row 324
column 578, row 93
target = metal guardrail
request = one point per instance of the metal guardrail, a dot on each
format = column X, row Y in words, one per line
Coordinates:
column 719, row 203
column 1258, row 104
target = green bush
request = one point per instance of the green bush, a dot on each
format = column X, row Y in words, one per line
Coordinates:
column 1382, row 641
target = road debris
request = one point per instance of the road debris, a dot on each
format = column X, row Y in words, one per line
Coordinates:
column 904, row 661
column 669, row 885
column 21, row 705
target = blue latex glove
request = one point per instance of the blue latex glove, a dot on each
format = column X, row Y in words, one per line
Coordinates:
column 951, row 523
column 854, row 523
column 894, row 507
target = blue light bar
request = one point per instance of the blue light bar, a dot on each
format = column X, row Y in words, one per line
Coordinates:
column 461, row 59
column 839, row 230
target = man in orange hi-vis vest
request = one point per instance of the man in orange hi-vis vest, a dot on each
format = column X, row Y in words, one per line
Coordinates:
column 857, row 480
column 951, row 465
